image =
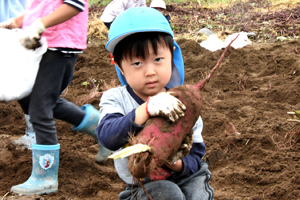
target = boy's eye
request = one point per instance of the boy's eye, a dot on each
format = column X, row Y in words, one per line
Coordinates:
column 137, row 63
column 158, row 59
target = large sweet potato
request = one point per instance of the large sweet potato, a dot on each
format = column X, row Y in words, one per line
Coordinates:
column 165, row 137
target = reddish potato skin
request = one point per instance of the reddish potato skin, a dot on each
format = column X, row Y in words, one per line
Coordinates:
column 163, row 136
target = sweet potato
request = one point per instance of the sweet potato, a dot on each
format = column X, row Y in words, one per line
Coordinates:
column 165, row 137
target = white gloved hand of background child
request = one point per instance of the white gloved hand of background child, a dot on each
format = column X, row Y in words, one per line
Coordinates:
column 166, row 105
column 9, row 24
column 32, row 35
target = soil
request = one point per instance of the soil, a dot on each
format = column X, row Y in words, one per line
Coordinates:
column 252, row 150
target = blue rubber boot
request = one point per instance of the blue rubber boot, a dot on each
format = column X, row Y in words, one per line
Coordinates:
column 88, row 126
column 43, row 179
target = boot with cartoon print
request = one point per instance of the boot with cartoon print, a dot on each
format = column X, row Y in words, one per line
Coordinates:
column 43, row 179
column 88, row 126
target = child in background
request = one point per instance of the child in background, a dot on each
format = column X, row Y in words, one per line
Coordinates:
column 64, row 25
column 160, row 5
column 148, row 63
column 116, row 7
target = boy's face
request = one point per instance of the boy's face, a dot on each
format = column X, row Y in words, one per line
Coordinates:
column 148, row 77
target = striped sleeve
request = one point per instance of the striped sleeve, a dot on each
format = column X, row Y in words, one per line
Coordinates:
column 78, row 4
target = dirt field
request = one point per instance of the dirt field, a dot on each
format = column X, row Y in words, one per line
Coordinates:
column 252, row 150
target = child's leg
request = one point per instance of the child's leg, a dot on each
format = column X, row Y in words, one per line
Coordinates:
column 68, row 112
column 197, row 186
column 54, row 75
column 158, row 190
column 44, row 104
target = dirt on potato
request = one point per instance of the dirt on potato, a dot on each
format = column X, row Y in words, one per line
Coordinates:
column 252, row 150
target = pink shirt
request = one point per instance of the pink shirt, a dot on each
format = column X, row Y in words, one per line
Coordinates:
column 69, row 34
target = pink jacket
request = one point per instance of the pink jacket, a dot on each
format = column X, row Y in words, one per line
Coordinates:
column 69, row 34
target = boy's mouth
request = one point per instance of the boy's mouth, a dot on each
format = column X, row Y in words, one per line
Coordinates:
column 151, row 84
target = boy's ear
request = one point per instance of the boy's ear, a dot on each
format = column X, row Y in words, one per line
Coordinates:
column 120, row 68
column 174, row 48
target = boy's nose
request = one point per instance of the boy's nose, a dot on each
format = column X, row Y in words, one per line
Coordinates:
column 150, row 70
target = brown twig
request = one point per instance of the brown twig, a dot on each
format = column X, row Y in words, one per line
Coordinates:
column 242, row 82
column 288, row 140
column 93, row 84
column 141, row 184
column 231, row 128
column 228, row 145
column 95, row 93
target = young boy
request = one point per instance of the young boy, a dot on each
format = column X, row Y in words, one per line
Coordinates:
column 148, row 63
column 160, row 5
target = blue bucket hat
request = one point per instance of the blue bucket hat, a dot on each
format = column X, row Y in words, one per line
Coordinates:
column 145, row 19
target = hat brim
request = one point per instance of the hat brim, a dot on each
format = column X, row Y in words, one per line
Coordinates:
column 110, row 46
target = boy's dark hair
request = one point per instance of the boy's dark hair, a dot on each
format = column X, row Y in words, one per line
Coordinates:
column 137, row 45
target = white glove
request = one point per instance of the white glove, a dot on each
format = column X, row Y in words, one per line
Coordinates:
column 9, row 24
column 32, row 35
column 165, row 105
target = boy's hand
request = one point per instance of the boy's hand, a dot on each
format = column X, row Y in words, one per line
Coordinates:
column 176, row 167
column 32, row 35
column 165, row 105
column 9, row 24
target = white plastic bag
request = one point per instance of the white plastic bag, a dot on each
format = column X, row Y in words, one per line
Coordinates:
column 240, row 42
column 18, row 65
column 213, row 43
